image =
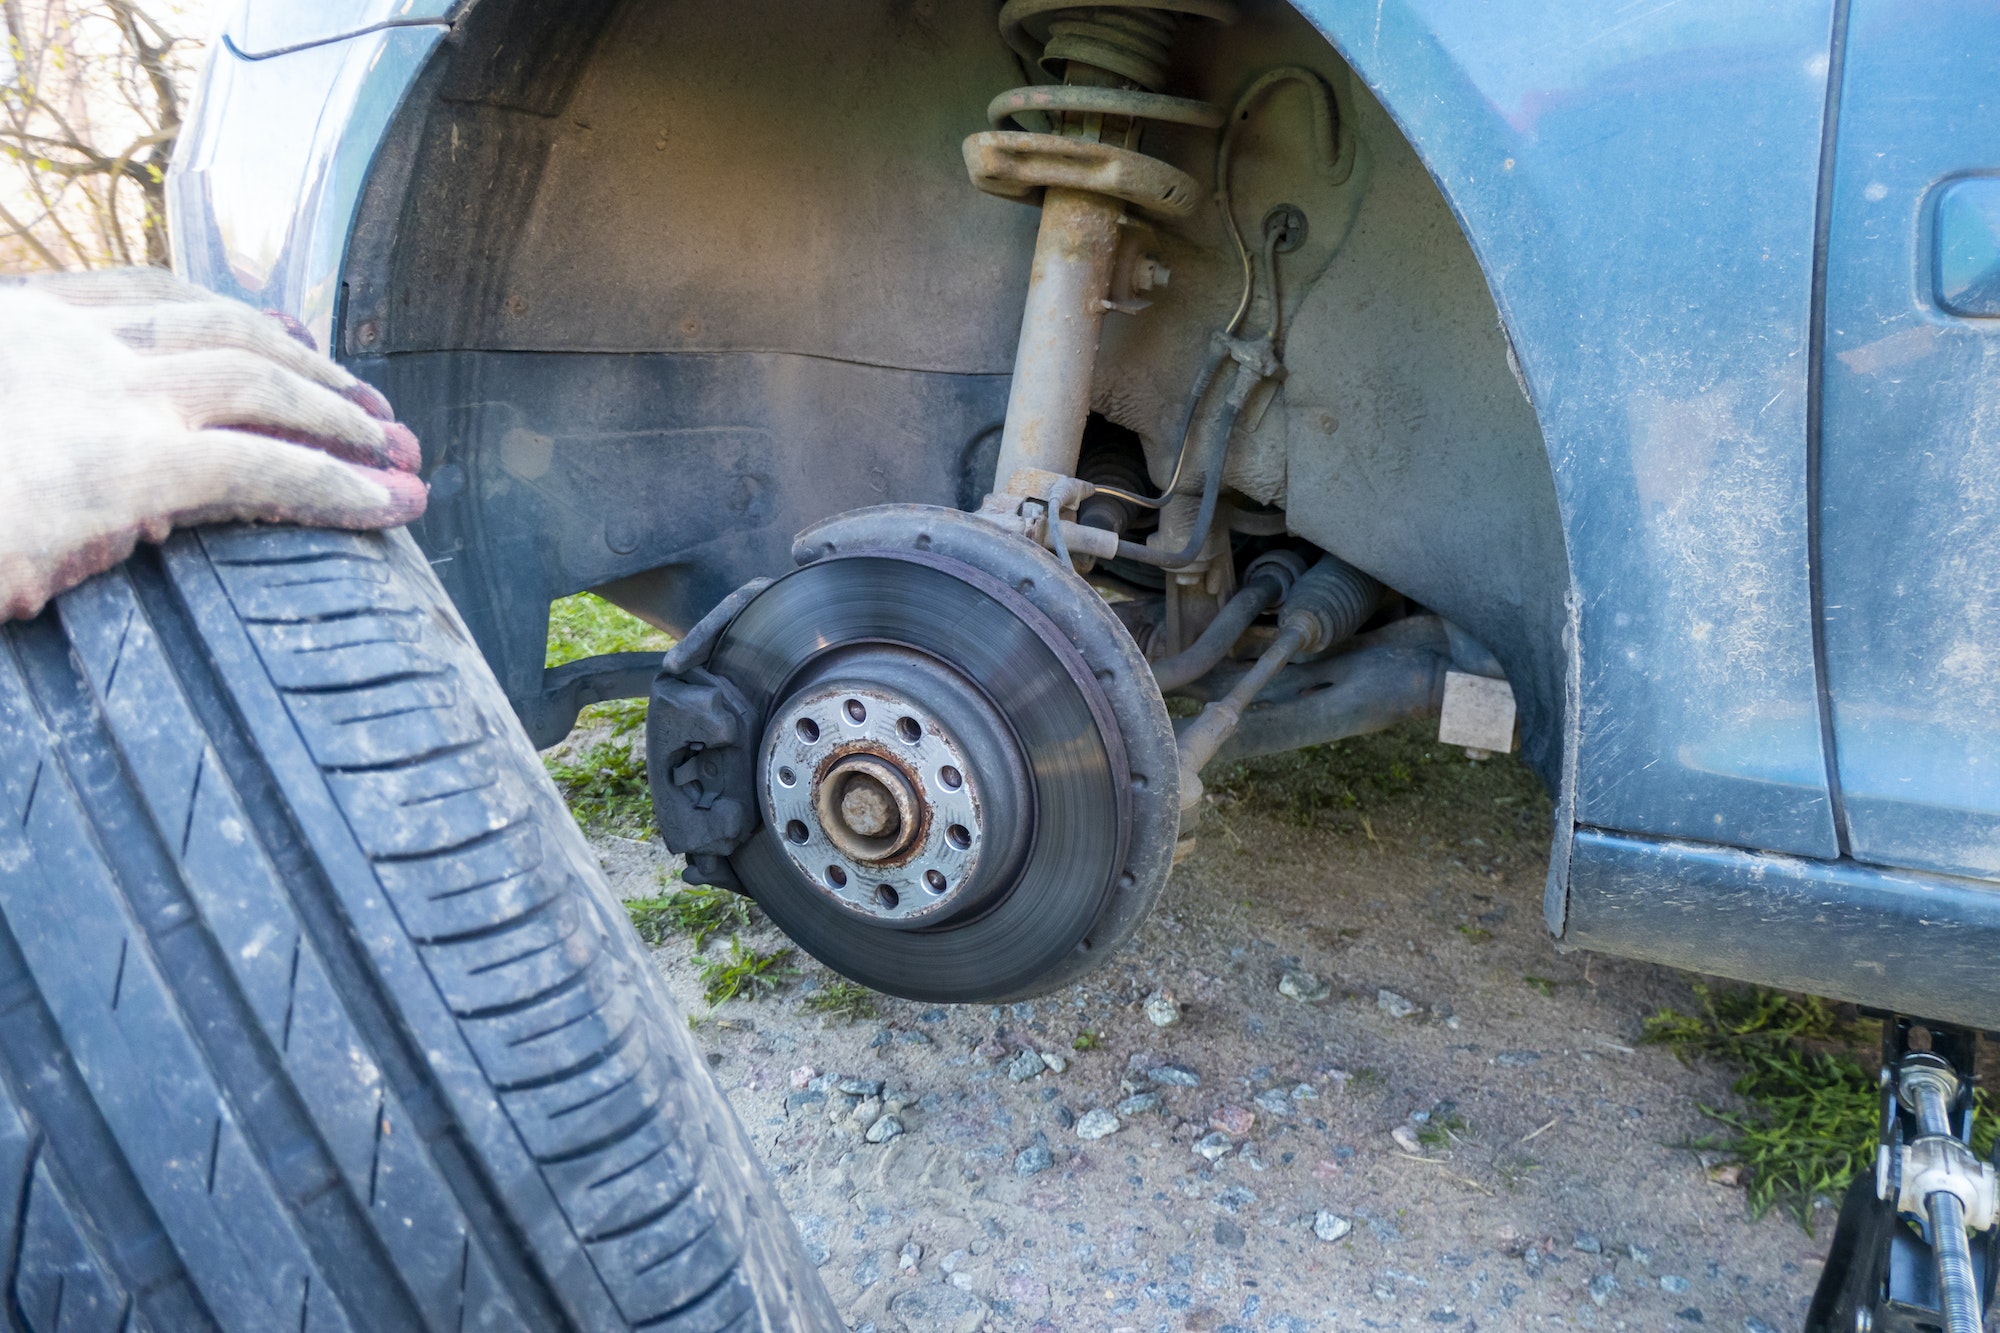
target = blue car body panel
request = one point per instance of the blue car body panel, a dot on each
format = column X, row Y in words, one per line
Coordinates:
column 1645, row 193
column 1910, row 463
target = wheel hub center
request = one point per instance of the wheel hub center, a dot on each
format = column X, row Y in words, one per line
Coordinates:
column 869, row 807
column 873, row 799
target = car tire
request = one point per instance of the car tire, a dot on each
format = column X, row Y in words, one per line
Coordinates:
column 315, row 1010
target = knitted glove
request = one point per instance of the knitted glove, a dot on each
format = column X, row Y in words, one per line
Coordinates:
column 132, row 403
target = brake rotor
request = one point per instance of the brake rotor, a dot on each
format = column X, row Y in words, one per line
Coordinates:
column 953, row 806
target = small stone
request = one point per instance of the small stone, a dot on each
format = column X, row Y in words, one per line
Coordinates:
column 912, row 1255
column 1236, row 1198
column 990, row 1050
column 1690, row 1314
column 1393, row 1004
column 1305, row 1092
column 1330, row 1226
column 1516, row 1059
column 1673, row 1282
column 1162, row 1009
column 888, row 1127
column 1303, row 987
column 869, row 1110
column 1174, row 1076
column 1138, row 1104
column 1214, row 1146
column 1065, row 1117
column 1033, row 1159
column 1587, row 1243
column 1406, row 1139
column 1274, row 1102
column 1056, row 1064
column 1025, row 1066
column 1234, row 1120
column 1639, row 1254
column 939, row 1309
column 1601, row 1288
column 1228, row 1235
column 1096, row 1124
column 802, row 1076
column 915, row 1039
column 1752, row 1324
column 860, row 1087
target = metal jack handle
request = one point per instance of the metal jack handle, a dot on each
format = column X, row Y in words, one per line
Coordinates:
column 1916, row 1247
column 1938, row 1172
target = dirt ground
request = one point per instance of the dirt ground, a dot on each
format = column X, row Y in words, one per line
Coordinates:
column 1464, row 1133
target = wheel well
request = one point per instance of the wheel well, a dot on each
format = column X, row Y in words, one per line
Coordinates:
column 659, row 284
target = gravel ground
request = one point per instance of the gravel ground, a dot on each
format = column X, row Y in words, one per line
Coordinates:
column 1387, row 1102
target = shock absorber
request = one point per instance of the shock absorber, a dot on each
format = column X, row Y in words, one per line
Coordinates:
column 1111, row 58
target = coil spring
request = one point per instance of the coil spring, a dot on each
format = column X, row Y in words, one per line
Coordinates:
column 1123, row 49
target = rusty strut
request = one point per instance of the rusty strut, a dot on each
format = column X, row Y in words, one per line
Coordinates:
column 1082, row 155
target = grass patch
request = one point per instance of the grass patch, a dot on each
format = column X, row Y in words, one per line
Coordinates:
column 1086, row 1041
column 698, row 912
column 585, row 626
column 843, row 1000
column 743, row 973
column 1399, row 773
column 1477, row 934
column 1545, row 986
column 605, row 788
column 1441, row 1131
column 1809, row 1084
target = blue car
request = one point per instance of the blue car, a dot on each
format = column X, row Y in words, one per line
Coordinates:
column 961, row 382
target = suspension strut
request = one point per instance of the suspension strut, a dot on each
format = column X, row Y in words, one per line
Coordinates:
column 1111, row 59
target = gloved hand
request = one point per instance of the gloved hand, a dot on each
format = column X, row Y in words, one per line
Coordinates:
column 132, row 403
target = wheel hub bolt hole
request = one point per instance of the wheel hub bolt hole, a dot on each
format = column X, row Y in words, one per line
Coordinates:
column 856, row 713
column 934, row 881
column 908, row 729
column 787, row 778
column 886, row 898
column 950, row 778
column 958, row 837
column 808, row 730
column 836, row 877
column 797, row 832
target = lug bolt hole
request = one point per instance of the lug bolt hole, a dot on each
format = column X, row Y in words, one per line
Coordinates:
column 808, row 730
column 855, row 712
column 886, row 898
column 908, row 729
column 951, row 778
column 958, row 837
column 787, row 778
column 836, row 877
column 797, row 832
column 934, row 881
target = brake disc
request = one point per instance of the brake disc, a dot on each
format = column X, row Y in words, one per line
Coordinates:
column 964, row 774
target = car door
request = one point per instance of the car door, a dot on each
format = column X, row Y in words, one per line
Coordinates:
column 1909, row 441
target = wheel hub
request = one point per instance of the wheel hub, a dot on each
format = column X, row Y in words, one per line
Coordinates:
column 875, row 797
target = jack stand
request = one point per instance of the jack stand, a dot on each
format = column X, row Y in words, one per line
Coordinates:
column 1902, row 1261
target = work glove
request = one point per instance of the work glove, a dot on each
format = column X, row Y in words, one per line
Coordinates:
column 132, row 403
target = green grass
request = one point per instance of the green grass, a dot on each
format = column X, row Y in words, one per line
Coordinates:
column 605, row 788
column 1086, row 1041
column 1441, row 1131
column 1402, row 772
column 585, row 626
column 843, row 1000
column 1809, row 1088
column 697, row 912
column 743, row 973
